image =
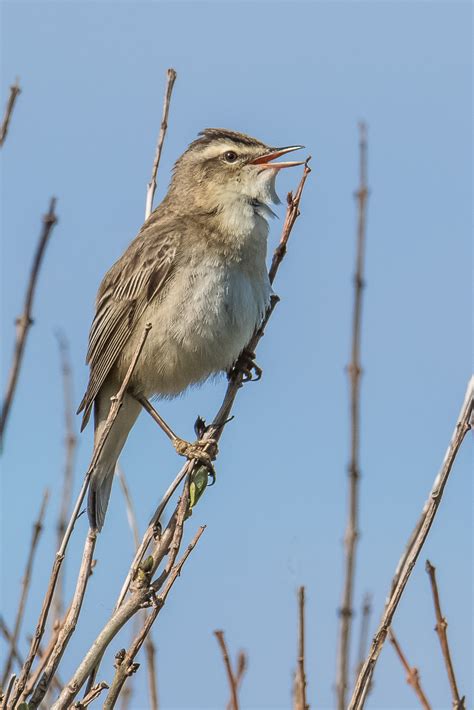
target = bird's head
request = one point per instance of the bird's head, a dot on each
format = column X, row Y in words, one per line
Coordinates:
column 221, row 167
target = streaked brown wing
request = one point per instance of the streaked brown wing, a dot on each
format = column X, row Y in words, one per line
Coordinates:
column 125, row 292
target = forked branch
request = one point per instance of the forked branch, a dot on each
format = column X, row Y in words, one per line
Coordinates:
column 441, row 630
column 413, row 675
column 113, row 413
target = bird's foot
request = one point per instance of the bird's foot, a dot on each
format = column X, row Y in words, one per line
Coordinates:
column 203, row 450
column 245, row 365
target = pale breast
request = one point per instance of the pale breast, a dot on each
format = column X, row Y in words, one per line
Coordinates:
column 200, row 327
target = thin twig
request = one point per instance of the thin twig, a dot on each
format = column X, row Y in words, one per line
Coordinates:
column 15, row 91
column 24, row 321
column 413, row 676
column 25, row 586
column 300, row 677
column 116, row 403
column 70, row 443
column 354, row 371
column 127, row 666
column 410, row 555
column 8, row 691
column 234, row 700
column 239, row 674
column 151, row 187
column 44, row 655
column 91, row 696
column 364, row 631
column 149, row 645
column 441, row 630
column 6, row 633
column 131, row 517
column 70, row 622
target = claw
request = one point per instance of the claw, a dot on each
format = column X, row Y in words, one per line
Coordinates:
column 246, row 365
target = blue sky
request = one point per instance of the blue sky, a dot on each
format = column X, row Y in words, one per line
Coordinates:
column 84, row 130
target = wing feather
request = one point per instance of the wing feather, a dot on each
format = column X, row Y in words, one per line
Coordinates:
column 134, row 281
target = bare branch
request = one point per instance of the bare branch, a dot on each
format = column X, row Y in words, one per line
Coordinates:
column 413, row 676
column 24, row 321
column 151, row 187
column 364, row 631
column 15, row 91
column 239, row 674
column 127, row 666
column 91, row 695
column 354, row 371
column 70, row 622
column 131, row 517
column 416, row 543
column 149, row 645
column 234, row 700
column 25, row 586
column 441, row 630
column 150, row 654
column 8, row 691
column 300, row 677
column 114, row 410
column 70, row 450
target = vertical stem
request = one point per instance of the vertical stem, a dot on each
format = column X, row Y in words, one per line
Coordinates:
column 354, row 371
column 24, row 321
column 440, row 628
column 151, row 187
column 300, row 680
column 25, row 586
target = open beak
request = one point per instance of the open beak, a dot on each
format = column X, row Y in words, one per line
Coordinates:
column 264, row 160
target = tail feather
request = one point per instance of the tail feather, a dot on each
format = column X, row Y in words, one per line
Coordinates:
column 98, row 497
column 103, row 474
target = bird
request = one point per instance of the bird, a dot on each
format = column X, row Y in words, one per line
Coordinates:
column 196, row 272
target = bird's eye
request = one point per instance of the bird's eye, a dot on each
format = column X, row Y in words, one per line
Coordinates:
column 230, row 156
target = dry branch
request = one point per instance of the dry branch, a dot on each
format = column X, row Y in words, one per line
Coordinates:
column 149, row 645
column 416, row 542
column 151, row 187
column 354, row 371
column 364, row 631
column 25, row 586
column 413, row 676
column 300, row 676
column 114, row 410
column 127, row 666
column 440, row 628
column 70, row 443
column 24, row 321
column 231, row 679
column 8, row 691
column 91, row 695
column 239, row 674
column 15, row 91
column 69, row 625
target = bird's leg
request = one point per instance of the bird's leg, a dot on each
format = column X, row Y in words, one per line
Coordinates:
column 203, row 450
column 246, row 365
